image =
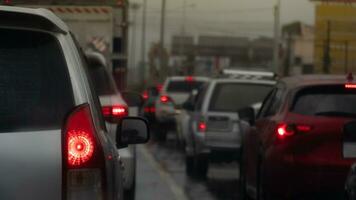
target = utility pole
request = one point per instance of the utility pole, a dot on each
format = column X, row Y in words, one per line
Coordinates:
column 181, row 48
column 134, row 8
column 327, row 58
column 143, row 42
column 163, row 67
column 277, row 11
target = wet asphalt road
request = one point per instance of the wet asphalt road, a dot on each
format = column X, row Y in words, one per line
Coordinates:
column 161, row 175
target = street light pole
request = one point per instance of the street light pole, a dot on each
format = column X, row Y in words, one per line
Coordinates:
column 163, row 67
column 277, row 10
column 134, row 7
column 163, row 18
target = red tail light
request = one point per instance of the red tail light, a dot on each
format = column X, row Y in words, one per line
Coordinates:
column 165, row 99
column 150, row 109
column 84, row 165
column 115, row 112
column 80, row 147
column 145, row 95
column 189, row 78
column 350, row 86
column 286, row 130
column 80, row 139
column 202, row 127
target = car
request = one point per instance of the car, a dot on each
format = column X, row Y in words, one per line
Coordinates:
column 214, row 132
column 114, row 109
column 53, row 139
column 174, row 93
column 294, row 149
column 148, row 110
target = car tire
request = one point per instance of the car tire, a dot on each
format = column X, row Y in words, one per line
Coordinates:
column 202, row 166
column 189, row 166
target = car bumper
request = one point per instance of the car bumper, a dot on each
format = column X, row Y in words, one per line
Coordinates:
column 217, row 147
column 287, row 177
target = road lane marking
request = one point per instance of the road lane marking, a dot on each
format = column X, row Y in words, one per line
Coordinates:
column 175, row 188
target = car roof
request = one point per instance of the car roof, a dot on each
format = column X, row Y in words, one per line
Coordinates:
column 37, row 18
column 311, row 80
column 252, row 81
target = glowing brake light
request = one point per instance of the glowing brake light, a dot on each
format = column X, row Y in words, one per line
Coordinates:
column 80, row 147
column 150, row 109
column 286, row 130
column 84, row 167
column 350, row 86
column 145, row 95
column 80, row 140
column 202, row 127
column 165, row 99
column 189, row 78
column 119, row 111
column 116, row 111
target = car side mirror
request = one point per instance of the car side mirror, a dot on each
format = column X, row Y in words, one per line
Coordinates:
column 133, row 99
column 247, row 114
column 188, row 106
column 132, row 130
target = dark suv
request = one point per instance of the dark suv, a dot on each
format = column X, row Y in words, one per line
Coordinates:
column 294, row 149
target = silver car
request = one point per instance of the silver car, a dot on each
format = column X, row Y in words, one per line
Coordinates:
column 174, row 93
column 53, row 140
column 214, row 131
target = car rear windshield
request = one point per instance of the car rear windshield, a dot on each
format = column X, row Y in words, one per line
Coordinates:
column 35, row 87
column 230, row 97
column 332, row 100
column 102, row 81
column 184, row 86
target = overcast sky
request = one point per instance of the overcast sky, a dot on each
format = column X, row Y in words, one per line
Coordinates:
column 251, row 18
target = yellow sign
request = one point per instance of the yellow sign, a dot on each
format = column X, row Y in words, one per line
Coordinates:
column 335, row 38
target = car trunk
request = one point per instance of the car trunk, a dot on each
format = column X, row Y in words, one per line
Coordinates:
column 222, row 130
column 322, row 145
column 31, row 165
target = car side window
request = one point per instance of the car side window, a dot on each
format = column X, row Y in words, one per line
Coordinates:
column 266, row 104
column 200, row 97
column 272, row 103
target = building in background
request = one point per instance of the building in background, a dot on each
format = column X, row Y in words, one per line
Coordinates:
column 208, row 55
column 98, row 25
column 298, row 49
column 335, row 36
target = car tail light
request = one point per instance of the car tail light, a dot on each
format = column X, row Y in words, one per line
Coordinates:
column 202, row 126
column 115, row 113
column 165, row 99
column 145, row 95
column 286, row 130
column 189, row 78
column 350, row 86
column 150, row 109
column 83, row 157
